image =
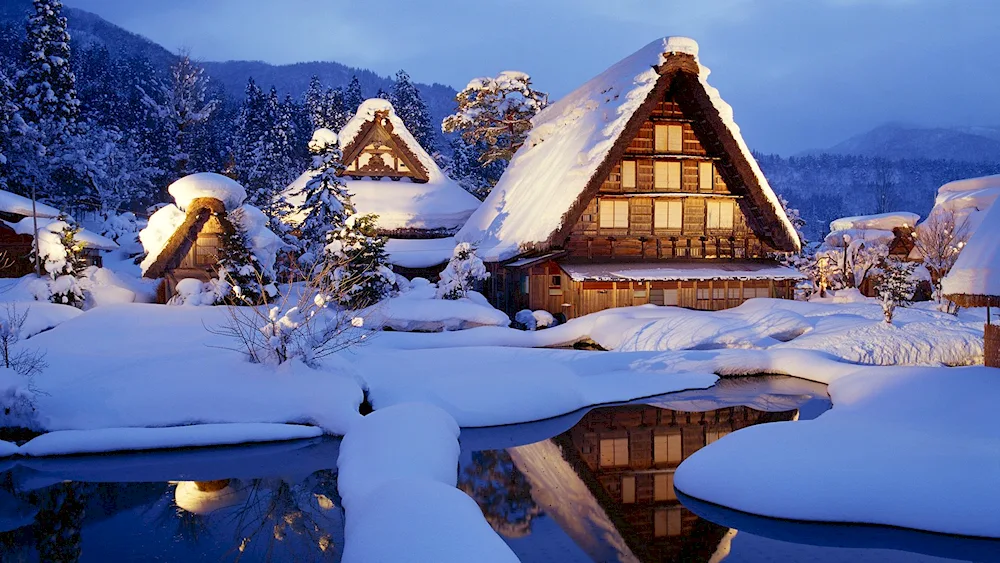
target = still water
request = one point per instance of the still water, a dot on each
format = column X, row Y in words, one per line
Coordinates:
column 594, row 485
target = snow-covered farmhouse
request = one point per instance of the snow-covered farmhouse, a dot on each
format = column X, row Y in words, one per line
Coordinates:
column 389, row 174
column 183, row 239
column 974, row 280
column 17, row 227
column 635, row 188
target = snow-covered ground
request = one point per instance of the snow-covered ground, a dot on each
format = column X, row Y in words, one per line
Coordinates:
column 908, row 447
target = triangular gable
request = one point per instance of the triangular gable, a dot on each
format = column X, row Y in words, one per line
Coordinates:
column 389, row 151
column 199, row 212
column 577, row 141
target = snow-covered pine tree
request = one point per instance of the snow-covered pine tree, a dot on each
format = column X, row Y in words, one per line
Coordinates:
column 465, row 168
column 327, row 204
column 363, row 275
column 248, row 283
column 120, row 171
column 62, row 257
column 895, row 286
column 353, row 98
column 498, row 112
column 383, row 95
column 248, row 139
column 337, row 112
column 179, row 107
column 315, row 102
column 463, row 272
column 410, row 108
column 46, row 82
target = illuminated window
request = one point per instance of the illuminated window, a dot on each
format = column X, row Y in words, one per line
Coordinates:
column 667, row 447
column 668, row 214
column 720, row 214
column 667, row 175
column 668, row 138
column 614, row 214
column 628, row 174
column 663, row 487
column 614, row 452
column 706, row 176
column 667, row 522
column 713, row 436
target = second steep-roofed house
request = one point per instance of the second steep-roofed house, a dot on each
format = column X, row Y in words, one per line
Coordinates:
column 389, row 174
column 635, row 188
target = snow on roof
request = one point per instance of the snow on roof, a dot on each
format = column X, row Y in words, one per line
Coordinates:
column 881, row 221
column 569, row 142
column 87, row 238
column 844, row 237
column 969, row 199
column 207, row 184
column 420, row 253
column 673, row 271
column 438, row 204
column 977, row 270
column 20, row 205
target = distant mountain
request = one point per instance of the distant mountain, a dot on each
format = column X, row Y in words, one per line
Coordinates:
column 895, row 141
column 87, row 29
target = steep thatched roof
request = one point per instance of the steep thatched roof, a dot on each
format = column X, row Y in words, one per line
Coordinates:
column 577, row 141
column 199, row 211
column 376, row 121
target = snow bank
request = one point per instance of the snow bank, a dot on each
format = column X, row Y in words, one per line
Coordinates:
column 489, row 385
column 420, row 253
column 570, row 139
column 908, row 447
column 417, row 309
column 397, row 473
column 881, row 221
column 977, row 269
column 207, row 184
column 66, row 442
column 147, row 365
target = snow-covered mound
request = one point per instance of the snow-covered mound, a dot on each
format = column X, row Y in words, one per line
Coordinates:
column 438, row 204
column 417, row 309
column 419, row 253
column 569, row 141
column 977, row 269
column 891, row 432
column 207, row 184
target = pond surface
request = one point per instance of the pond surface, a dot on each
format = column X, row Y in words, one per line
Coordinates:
column 274, row 502
column 597, row 485
column 594, row 485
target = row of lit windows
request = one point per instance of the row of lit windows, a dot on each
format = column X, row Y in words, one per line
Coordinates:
column 667, row 175
column 667, row 448
column 668, row 214
column 671, row 296
column 663, row 487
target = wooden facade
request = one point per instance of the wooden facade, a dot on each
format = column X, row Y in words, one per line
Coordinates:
column 627, row 456
column 15, row 253
column 670, row 197
column 376, row 153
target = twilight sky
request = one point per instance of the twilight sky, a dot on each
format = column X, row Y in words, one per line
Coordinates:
column 800, row 73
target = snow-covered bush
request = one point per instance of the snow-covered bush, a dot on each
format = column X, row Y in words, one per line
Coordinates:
column 62, row 258
column 939, row 240
column 544, row 319
column 534, row 320
column 362, row 275
column 19, row 365
column 124, row 230
column 463, row 272
column 896, row 285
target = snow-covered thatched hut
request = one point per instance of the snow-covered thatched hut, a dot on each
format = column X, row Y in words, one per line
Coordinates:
column 183, row 239
column 635, row 188
column 389, row 174
column 974, row 280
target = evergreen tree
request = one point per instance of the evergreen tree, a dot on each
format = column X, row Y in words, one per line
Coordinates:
column 895, row 286
column 97, row 85
column 179, row 107
column 353, row 98
column 496, row 111
column 337, row 111
column 247, row 281
column 327, row 204
column 363, row 275
column 46, row 82
column 383, row 95
column 62, row 256
column 463, row 272
column 315, row 102
column 410, row 108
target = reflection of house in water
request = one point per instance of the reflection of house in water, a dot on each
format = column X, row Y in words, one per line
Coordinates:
column 629, row 454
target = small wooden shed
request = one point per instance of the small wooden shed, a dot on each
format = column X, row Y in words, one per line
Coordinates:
column 974, row 280
column 192, row 251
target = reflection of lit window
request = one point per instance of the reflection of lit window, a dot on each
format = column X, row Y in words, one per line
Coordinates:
column 663, row 486
column 614, row 452
column 667, row 448
column 713, row 435
column 667, row 522
column 628, row 489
